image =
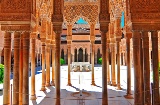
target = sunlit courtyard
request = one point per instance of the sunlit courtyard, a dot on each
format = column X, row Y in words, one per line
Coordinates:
column 81, row 92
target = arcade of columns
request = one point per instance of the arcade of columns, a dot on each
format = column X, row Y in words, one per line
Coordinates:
column 46, row 18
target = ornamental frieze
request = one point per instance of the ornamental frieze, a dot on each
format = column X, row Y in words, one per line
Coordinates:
column 14, row 17
column 15, row 6
column 145, row 17
column 145, row 26
column 15, row 27
column 144, row 6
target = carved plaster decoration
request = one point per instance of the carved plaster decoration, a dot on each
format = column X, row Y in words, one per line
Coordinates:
column 72, row 12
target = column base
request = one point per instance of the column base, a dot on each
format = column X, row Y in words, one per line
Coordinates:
column 33, row 97
column 48, row 84
column 52, row 84
column 109, row 83
column 69, row 84
column 113, row 84
column 128, row 96
column 43, row 89
column 119, row 88
column 93, row 83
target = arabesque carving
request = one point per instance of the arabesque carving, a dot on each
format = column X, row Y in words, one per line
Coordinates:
column 73, row 12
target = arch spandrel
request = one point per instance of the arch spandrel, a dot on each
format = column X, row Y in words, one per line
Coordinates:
column 72, row 12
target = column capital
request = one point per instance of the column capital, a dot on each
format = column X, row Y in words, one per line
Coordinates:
column 118, row 39
column 128, row 35
column 104, row 27
column 33, row 35
column 48, row 41
column 57, row 29
column 17, row 35
column 154, row 34
column 145, row 34
column 43, row 40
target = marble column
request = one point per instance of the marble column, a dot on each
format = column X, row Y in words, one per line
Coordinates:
column 108, row 68
column 7, row 67
column 33, row 42
column 43, row 66
column 113, row 63
column 72, row 58
column 104, row 70
column 69, row 62
column 118, row 65
column 84, row 55
column 40, row 59
column 129, row 93
column 37, row 59
column 69, row 41
column 16, row 68
column 21, row 71
column 154, row 36
column 48, row 64
column 89, row 58
column 77, row 54
column 92, row 61
column 142, row 71
column 92, row 38
column 53, row 64
column 57, row 63
column 26, row 44
column 146, row 68
column 138, row 100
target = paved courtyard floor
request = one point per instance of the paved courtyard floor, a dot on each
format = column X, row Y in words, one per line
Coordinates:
column 91, row 95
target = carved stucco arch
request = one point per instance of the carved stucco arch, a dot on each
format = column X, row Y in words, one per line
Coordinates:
column 86, row 11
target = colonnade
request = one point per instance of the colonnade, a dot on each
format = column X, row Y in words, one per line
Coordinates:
column 142, row 70
column 21, row 67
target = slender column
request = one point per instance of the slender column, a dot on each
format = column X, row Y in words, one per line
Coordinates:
column 72, row 58
column 108, row 68
column 33, row 42
column 118, row 65
column 43, row 66
column 69, row 62
column 146, row 68
column 7, row 67
column 142, row 70
column 21, row 71
column 95, row 57
column 92, row 61
column 137, row 69
column 128, row 94
column 47, row 64
column 26, row 44
column 53, row 63
column 154, row 36
column 89, row 57
column 113, row 63
column 40, row 59
column 104, row 71
column 57, row 62
column 37, row 59
column 16, row 68
column 83, row 55
column 69, row 41
column 124, row 58
column 92, row 38
column 77, row 54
